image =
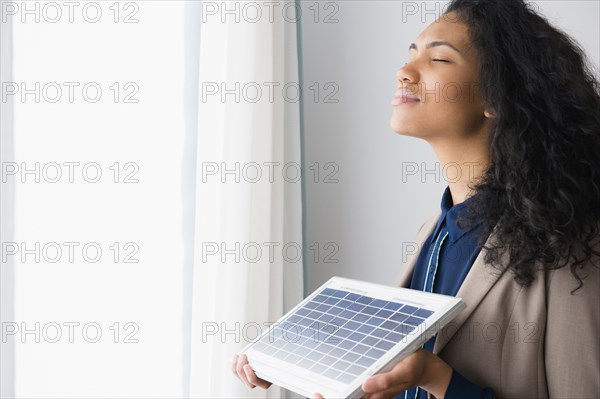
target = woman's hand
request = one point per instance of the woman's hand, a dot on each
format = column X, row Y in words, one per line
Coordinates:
column 244, row 372
column 422, row 368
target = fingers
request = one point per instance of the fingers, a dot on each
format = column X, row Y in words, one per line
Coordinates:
column 244, row 372
column 374, row 384
column 317, row 395
column 253, row 379
column 396, row 380
column 382, row 386
column 234, row 364
column 383, row 381
column 388, row 394
column 242, row 360
column 408, row 373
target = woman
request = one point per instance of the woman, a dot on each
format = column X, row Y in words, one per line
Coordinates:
column 495, row 89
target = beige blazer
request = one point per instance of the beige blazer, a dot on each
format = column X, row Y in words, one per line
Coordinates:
column 534, row 342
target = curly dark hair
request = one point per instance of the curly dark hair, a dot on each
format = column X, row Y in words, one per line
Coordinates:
column 541, row 191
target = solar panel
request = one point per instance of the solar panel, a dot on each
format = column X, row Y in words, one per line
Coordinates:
column 344, row 332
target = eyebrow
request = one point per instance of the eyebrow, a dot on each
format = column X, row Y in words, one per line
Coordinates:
column 435, row 44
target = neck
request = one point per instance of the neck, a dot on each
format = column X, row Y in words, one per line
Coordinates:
column 463, row 164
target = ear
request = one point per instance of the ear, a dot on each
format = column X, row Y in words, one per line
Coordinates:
column 489, row 114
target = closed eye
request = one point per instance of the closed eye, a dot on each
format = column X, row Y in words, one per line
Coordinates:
column 436, row 59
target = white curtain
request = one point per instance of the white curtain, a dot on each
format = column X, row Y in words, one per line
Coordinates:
column 6, row 215
column 248, row 257
column 157, row 290
column 96, row 179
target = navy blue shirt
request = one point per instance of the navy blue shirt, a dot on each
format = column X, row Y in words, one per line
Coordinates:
column 442, row 265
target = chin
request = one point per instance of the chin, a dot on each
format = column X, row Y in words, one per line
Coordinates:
column 403, row 129
column 409, row 130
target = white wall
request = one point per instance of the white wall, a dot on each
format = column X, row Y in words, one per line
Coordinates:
column 372, row 210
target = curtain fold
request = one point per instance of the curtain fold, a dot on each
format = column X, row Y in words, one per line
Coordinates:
column 6, row 214
column 248, row 235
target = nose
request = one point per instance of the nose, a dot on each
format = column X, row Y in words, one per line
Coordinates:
column 407, row 74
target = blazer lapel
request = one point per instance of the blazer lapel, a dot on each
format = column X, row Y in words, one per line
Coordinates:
column 480, row 279
column 406, row 271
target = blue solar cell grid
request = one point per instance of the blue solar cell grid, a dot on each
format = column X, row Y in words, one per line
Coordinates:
column 339, row 334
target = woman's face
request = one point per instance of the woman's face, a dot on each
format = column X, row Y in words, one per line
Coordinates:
column 442, row 74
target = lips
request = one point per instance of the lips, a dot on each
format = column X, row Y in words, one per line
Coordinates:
column 402, row 97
